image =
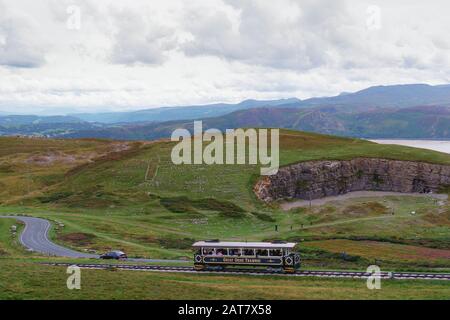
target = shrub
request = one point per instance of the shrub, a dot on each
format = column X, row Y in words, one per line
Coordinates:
column 225, row 208
column 185, row 205
column 178, row 205
column 78, row 238
column 54, row 197
column 263, row 217
column 176, row 243
column 3, row 253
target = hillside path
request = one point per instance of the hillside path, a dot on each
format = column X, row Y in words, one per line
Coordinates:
column 35, row 237
column 356, row 194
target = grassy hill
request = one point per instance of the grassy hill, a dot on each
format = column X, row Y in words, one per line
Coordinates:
column 124, row 174
column 391, row 96
column 130, row 196
column 180, row 112
column 416, row 111
column 29, row 165
column 424, row 122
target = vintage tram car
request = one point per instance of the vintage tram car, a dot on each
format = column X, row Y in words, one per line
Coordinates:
column 212, row 254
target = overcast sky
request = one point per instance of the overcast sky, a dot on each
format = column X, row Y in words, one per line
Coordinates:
column 59, row 56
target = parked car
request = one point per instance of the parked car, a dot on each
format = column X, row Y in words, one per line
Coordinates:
column 118, row 255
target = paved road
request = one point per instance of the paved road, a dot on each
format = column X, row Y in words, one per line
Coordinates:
column 35, row 237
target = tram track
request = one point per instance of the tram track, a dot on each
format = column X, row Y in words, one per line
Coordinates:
column 299, row 273
column 35, row 237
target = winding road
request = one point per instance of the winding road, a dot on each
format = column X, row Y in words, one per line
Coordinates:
column 35, row 237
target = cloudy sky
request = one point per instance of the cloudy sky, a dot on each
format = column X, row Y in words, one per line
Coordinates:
column 60, row 56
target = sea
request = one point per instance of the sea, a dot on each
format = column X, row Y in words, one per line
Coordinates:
column 437, row 145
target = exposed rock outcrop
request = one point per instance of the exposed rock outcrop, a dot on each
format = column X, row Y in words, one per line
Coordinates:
column 317, row 179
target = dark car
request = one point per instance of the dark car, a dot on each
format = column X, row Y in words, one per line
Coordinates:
column 118, row 255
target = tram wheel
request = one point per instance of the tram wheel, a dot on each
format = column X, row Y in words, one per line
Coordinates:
column 199, row 267
column 289, row 270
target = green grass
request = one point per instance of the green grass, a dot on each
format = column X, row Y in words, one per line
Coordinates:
column 185, row 205
column 383, row 250
column 35, row 281
column 127, row 180
column 10, row 246
column 166, row 235
column 138, row 201
column 29, row 166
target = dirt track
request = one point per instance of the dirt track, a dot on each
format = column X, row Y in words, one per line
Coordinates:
column 356, row 194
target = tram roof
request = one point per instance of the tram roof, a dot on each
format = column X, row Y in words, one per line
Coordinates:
column 226, row 244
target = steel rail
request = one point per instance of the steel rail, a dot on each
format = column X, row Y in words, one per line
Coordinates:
column 299, row 273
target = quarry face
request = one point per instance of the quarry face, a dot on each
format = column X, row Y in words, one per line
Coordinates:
column 318, row 179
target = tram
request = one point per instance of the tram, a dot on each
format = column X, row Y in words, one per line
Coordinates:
column 213, row 254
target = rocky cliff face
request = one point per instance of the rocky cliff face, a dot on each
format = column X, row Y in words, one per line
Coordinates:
column 317, row 179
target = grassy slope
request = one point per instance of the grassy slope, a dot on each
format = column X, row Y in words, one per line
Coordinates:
column 151, row 170
column 41, row 282
column 116, row 202
column 9, row 243
column 32, row 165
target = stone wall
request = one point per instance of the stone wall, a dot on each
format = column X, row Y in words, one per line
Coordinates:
column 317, row 179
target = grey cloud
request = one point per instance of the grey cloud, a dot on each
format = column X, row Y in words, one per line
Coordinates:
column 303, row 35
column 139, row 40
column 296, row 37
column 19, row 46
column 212, row 50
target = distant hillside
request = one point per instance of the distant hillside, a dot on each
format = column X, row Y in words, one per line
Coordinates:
column 396, row 96
column 417, row 122
column 179, row 113
column 399, row 111
column 430, row 122
column 20, row 120
column 50, row 126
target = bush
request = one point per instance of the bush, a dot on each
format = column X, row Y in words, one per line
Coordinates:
column 78, row 238
column 178, row 205
column 54, row 197
column 176, row 243
column 185, row 205
column 263, row 217
column 225, row 208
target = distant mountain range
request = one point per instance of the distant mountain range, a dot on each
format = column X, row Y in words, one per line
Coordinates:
column 180, row 113
column 18, row 120
column 397, row 96
column 409, row 123
column 400, row 111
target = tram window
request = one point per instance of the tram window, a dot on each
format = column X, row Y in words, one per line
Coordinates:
column 249, row 252
column 261, row 252
column 208, row 251
column 234, row 252
column 221, row 252
column 275, row 252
